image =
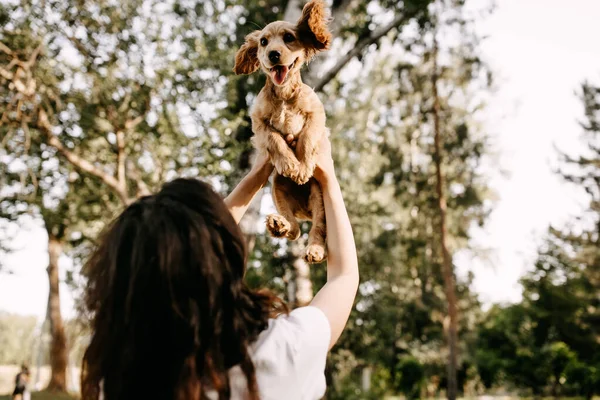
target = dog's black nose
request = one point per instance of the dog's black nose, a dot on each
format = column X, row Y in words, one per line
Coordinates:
column 274, row 56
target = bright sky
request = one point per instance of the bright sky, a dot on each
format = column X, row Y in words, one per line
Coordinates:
column 541, row 50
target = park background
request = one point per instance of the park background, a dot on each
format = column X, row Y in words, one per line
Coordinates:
column 102, row 101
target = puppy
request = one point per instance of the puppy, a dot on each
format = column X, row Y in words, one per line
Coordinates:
column 286, row 106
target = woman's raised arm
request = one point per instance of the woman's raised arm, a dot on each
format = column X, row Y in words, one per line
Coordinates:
column 336, row 297
column 240, row 198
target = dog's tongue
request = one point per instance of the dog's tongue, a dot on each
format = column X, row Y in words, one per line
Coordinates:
column 278, row 73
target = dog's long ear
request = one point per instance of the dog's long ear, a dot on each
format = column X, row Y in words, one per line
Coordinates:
column 246, row 58
column 312, row 28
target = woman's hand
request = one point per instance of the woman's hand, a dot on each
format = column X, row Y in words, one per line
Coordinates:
column 324, row 170
column 291, row 141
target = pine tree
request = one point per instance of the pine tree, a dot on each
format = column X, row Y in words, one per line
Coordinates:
column 385, row 146
column 551, row 345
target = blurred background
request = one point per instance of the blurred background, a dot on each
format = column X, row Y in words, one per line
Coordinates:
column 466, row 135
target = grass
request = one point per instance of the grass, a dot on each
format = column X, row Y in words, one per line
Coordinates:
column 55, row 396
column 43, row 396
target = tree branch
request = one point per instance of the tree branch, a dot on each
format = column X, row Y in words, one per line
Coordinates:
column 134, row 175
column 132, row 123
column 33, row 57
column 79, row 162
column 336, row 16
column 78, row 45
column 373, row 37
column 6, row 74
column 13, row 199
column 5, row 49
column 121, row 157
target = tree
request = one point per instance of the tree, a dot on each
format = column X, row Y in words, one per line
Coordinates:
column 90, row 130
column 384, row 145
column 505, row 347
column 144, row 91
column 551, row 344
column 583, row 172
column 562, row 290
column 410, row 378
column 16, row 338
column 448, row 270
column 21, row 192
column 584, row 379
column 351, row 23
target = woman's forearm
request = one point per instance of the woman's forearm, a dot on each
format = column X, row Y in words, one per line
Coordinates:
column 336, row 298
column 240, row 198
column 340, row 239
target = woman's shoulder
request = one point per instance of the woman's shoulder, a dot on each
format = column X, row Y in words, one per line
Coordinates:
column 289, row 358
column 292, row 352
column 294, row 339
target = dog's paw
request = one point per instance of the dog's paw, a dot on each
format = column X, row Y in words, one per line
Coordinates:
column 315, row 253
column 304, row 174
column 288, row 169
column 278, row 226
column 291, row 173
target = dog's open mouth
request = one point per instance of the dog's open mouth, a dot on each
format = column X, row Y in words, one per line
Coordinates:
column 280, row 72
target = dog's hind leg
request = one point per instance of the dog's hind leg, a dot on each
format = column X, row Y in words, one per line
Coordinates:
column 283, row 224
column 315, row 251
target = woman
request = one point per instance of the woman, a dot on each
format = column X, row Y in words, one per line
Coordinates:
column 21, row 382
column 174, row 319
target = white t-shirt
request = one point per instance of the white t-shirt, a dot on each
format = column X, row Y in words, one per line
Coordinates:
column 289, row 358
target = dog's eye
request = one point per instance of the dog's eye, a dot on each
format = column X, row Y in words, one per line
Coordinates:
column 264, row 42
column 288, row 37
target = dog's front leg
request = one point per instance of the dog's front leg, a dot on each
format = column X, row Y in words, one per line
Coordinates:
column 307, row 147
column 281, row 155
column 317, row 237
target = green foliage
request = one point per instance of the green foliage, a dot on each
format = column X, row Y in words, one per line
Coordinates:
column 410, row 376
column 161, row 74
column 17, row 338
column 583, row 378
column 382, row 137
column 550, row 342
column 559, row 356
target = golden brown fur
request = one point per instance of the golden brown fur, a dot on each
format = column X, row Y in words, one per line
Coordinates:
column 290, row 108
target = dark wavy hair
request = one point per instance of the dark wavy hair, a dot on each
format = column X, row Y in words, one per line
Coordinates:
column 171, row 313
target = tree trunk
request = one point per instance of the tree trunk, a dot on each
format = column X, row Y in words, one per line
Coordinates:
column 250, row 221
column 447, row 270
column 58, row 343
column 303, row 291
column 367, row 372
column 555, row 387
column 303, row 284
column 39, row 352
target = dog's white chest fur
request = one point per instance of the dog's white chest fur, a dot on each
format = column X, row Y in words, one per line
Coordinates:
column 286, row 120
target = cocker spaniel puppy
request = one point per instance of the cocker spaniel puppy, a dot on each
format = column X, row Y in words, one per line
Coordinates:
column 286, row 106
